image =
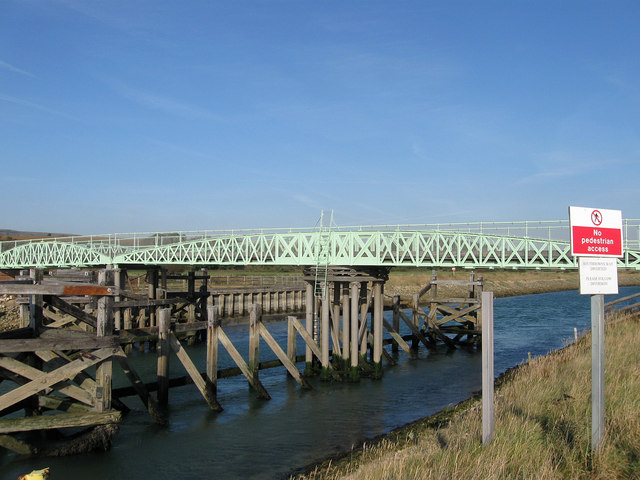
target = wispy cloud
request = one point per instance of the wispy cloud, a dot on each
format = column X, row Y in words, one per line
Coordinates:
column 34, row 106
column 162, row 103
column 14, row 69
column 559, row 165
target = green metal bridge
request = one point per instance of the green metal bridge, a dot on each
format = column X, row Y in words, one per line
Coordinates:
column 510, row 245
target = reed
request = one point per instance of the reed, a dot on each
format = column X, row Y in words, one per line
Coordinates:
column 543, row 425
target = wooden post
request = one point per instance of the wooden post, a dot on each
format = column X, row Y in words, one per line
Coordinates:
column 104, row 328
column 255, row 318
column 355, row 344
column 479, row 291
column 153, row 286
column 213, row 324
column 309, row 313
column 35, row 303
column 164, row 324
column 488, row 406
column 346, row 325
column 335, row 324
column 364, row 308
column 119, row 282
column 415, row 308
column 396, row 320
column 377, row 329
column 292, row 339
column 324, row 335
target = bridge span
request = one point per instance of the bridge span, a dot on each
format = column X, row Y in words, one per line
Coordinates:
column 530, row 244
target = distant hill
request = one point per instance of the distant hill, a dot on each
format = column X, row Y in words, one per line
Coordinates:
column 17, row 234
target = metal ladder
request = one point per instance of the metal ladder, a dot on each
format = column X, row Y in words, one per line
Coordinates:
column 322, row 247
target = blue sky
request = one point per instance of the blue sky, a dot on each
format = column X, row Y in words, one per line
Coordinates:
column 123, row 116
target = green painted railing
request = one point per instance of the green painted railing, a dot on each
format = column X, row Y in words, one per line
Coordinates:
column 530, row 244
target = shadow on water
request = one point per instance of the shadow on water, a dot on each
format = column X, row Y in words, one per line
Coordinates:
column 256, row 439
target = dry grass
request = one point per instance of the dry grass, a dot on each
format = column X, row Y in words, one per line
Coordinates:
column 543, row 425
column 503, row 283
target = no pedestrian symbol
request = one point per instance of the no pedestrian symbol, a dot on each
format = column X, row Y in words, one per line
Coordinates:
column 596, row 217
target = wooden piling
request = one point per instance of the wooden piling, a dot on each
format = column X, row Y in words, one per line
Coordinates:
column 377, row 329
column 309, row 315
column 164, row 323
column 396, row 320
column 255, row 314
column 213, row 324
column 355, row 344
column 324, row 335
column 104, row 328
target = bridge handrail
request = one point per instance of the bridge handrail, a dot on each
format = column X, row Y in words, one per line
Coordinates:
column 557, row 230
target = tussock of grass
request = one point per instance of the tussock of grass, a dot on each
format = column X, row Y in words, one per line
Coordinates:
column 542, row 429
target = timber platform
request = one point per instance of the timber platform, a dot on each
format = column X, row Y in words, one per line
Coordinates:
column 78, row 325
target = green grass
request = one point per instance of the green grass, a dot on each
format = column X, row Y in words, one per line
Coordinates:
column 542, row 429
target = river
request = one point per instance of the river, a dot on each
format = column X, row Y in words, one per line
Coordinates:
column 257, row 439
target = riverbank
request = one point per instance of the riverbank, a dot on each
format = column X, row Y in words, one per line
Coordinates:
column 542, row 425
column 503, row 283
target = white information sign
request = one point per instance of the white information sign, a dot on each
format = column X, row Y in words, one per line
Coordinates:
column 598, row 276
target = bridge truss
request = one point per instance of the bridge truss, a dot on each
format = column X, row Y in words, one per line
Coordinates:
column 540, row 245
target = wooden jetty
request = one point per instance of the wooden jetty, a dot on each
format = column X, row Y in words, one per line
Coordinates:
column 78, row 325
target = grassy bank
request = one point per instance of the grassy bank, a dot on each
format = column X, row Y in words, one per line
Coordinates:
column 543, row 425
column 503, row 283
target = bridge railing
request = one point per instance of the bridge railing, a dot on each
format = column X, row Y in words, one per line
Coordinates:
column 114, row 244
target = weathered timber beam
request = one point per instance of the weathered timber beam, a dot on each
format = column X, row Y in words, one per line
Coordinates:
column 139, row 387
column 150, row 302
column 63, row 420
column 454, row 314
column 57, row 289
column 415, row 330
column 193, row 372
column 255, row 383
column 64, row 404
column 25, row 332
column 289, row 365
column 396, row 336
column 16, row 446
column 35, row 344
column 47, row 380
column 32, row 373
column 453, row 300
column 72, row 310
column 187, row 380
column 456, row 282
column 383, row 352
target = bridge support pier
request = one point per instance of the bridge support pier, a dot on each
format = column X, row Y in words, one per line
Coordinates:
column 346, row 330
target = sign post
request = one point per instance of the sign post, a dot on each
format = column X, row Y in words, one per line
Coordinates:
column 596, row 238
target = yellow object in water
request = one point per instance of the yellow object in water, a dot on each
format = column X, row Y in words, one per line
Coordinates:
column 36, row 475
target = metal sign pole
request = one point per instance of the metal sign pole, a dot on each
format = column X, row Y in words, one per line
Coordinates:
column 597, row 371
column 488, row 375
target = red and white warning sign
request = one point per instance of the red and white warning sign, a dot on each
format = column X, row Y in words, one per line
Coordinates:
column 595, row 232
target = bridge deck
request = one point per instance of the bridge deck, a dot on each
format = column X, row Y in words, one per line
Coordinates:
column 541, row 244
